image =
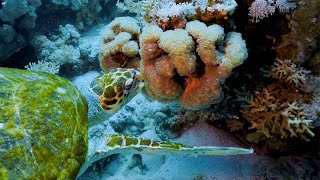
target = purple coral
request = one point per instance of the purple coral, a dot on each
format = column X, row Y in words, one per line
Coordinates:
column 263, row 8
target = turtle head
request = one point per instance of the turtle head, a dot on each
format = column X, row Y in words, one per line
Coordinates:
column 116, row 87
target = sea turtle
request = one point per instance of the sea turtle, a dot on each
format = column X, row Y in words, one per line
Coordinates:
column 44, row 126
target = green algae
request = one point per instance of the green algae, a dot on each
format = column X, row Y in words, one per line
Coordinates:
column 43, row 128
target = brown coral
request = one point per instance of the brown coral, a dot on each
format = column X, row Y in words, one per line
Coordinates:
column 272, row 115
column 287, row 71
column 301, row 43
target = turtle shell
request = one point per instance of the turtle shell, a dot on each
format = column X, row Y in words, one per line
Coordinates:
column 43, row 126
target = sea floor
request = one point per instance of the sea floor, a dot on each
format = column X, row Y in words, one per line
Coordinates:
column 253, row 166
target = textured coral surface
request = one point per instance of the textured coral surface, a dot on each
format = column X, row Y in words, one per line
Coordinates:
column 171, row 67
column 119, row 47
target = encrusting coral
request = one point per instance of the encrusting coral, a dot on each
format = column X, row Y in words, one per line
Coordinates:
column 172, row 70
column 301, row 44
column 16, row 18
column 119, row 47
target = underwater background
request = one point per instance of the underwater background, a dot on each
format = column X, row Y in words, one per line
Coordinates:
column 240, row 73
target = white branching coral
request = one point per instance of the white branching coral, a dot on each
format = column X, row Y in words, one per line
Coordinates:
column 44, row 66
column 263, row 8
column 134, row 6
column 61, row 48
column 287, row 71
column 169, row 14
column 165, row 9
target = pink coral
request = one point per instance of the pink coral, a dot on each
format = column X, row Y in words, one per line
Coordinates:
column 173, row 70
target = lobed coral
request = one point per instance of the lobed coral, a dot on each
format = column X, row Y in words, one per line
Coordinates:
column 172, row 70
column 119, row 47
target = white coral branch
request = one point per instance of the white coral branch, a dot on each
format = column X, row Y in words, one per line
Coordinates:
column 263, row 8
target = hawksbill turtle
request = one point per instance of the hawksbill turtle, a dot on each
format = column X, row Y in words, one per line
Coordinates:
column 44, row 126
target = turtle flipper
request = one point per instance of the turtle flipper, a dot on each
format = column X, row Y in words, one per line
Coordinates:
column 119, row 143
column 126, row 144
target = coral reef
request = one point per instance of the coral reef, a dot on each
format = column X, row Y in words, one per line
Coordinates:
column 263, row 8
column 65, row 50
column 273, row 116
column 44, row 66
column 81, row 13
column 287, row 71
column 189, row 58
column 74, row 4
column 197, row 81
column 300, row 45
column 172, row 14
column 119, row 47
column 19, row 19
column 59, row 49
column 16, row 16
column 282, row 108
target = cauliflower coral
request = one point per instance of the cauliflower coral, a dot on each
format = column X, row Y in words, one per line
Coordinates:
column 189, row 64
